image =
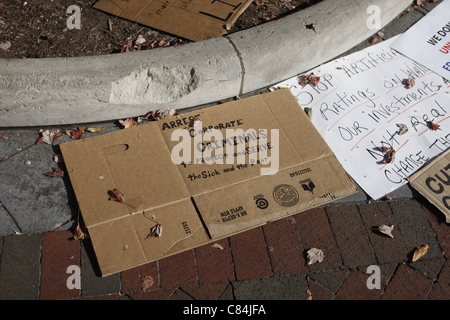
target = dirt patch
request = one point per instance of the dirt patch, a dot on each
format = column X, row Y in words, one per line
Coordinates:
column 38, row 28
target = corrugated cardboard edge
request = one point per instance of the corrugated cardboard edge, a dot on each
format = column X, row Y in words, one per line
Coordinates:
column 416, row 181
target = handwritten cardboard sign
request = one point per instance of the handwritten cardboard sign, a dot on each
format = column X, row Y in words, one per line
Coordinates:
column 190, row 19
column 428, row 41
column 359, row 103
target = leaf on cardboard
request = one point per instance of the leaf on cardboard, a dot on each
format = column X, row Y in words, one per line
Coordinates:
column 433, row 126
column 57, row 172
column 116, row 195
column 314, row 255
column 387, row 230
column 419, row 252
column 403, row 128
column 156, row 231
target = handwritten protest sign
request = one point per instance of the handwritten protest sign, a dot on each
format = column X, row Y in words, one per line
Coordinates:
column 381, row 127
column 428, row 41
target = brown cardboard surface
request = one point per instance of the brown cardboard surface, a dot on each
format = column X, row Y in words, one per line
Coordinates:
column 199, row 202
column 191, row 19
column 433, row 182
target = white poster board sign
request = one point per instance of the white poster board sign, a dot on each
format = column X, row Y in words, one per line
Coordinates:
column 428, row 41
column 359, row 103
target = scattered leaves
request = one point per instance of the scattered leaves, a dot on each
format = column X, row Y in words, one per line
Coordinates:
column 387, row 230
column 403, row 128
column 419, row 252
column 309, row 79
column 147, row 282
column 409, row 83
column 433, row 126
column 49, row 137
column 57, row 172
column 314, row 255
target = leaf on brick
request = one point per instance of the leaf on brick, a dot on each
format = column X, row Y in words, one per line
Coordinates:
column 419, row 252
column 314, row 255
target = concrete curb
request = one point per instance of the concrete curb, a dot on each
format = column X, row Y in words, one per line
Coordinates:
column 57, row 91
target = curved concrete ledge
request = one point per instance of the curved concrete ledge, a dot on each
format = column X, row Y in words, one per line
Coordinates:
column 56, row 91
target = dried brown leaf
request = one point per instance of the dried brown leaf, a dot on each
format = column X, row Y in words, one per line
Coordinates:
column 95, row 129
column 409, row 83
column 4, row 137
column 75, row 134
column 156, row 231
column 419, row 252
column 147, row 282
column 4, row 158
column 314, row 255
column 116, row 195
column 433, row 126
column 195, row 122
column 387, row 230
column 79, row 233
column 403, row 128
column 57, row 172
column 128, row 123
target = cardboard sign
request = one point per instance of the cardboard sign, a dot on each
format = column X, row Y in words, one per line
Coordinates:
column 358, row 105
column 190, row 19
column 249, row 162
column 433, row 182
column 428, row 41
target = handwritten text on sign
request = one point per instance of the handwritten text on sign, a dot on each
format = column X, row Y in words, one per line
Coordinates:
column 359, row 103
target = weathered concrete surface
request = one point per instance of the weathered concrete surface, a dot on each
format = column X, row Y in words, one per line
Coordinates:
column 56, row 91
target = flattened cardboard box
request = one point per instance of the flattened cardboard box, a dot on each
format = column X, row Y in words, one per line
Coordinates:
column 190, row 19
column 200, row 203
column 433, row 182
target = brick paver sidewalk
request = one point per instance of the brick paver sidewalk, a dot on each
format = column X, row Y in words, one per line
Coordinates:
column 267, row 262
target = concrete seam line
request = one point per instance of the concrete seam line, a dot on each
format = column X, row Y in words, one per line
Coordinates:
column 241, row 63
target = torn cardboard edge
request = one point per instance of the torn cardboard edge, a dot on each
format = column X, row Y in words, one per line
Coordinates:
column 194, row 20
column 197, row 204
column 433, row 182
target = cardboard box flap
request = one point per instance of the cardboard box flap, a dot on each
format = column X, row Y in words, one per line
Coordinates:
column 257, row 201
column 433, row 182
column 191, row 19
column 130, row 239
column 135, row 161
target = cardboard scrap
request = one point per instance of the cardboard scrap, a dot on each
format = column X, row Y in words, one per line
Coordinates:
column 190, row 19
column 433, row 182
column 199, row 201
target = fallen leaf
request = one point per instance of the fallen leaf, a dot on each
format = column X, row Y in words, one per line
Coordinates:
column 433, row 126
column 4, row 137
column 374, row 39
column 308, row 112
column 419, row 252
column 389, row 154
column 403, row 128
column 166, row 113
column 75, row 134
column 387, row 230
column 79, row 233
column 4, row 158
column 216, row 245
column 95, row 129
column 309, row 293
column 147, row 282
column 5, row 45
column 116, row 195
column 128, row 123
column 156, row 231
column 409, row 83
column 314, row 255
column 28, row 162
column 309, row 79
column 39, row 140
column 57, row 172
